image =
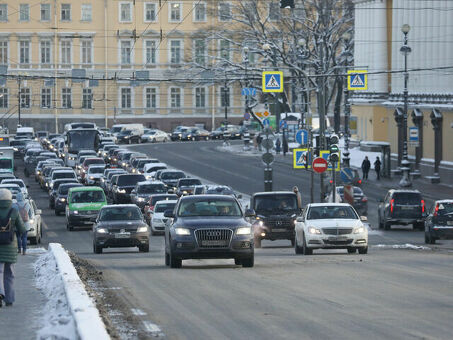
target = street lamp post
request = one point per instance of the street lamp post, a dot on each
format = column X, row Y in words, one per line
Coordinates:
column 267, row 47
column 347, row 105
column 405, row 165
column 225, row 104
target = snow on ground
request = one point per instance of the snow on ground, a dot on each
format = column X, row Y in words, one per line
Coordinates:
column 57, row 321
column 401, row 246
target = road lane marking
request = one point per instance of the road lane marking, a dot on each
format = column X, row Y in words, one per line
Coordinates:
column 137, row 312
column 51, row 234
column 152, row 328
column 44, row 224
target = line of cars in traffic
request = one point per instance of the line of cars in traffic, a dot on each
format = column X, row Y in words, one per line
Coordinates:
column 128, row 195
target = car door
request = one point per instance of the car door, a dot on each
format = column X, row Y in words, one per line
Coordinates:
column 37, row 213
column 300, row 226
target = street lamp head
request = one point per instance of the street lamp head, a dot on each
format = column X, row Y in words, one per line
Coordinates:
column 405, row 28
column 246, row 49
column 301, row 42
column 266, row 47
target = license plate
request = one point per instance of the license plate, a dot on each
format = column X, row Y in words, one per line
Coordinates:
column 449, row 222
column 123, row 235
column 337, row 238
column 406, row 208
column 211, row 243
column 278, row 230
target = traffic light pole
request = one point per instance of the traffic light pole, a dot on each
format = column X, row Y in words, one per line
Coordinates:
column 334, row 183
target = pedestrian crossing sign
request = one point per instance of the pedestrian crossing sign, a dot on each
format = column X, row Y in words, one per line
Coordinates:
column 301, row 159
column 357, row 80
column 272, row 81
column 325, row 154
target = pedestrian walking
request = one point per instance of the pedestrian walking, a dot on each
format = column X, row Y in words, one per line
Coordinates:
column 278, row 146
column 285, row 146
column 299, row 198
column 366, row 165
column 10, row 221
column 259, row 139
column 23, row 207
column 377, row 168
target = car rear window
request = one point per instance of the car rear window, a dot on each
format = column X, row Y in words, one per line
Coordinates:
column 63, row 175
column 161, row 207
column 94, row 161
column 64, row 188
column 445, row 209
column 173, row 175
column 152, row 188
column 158, row 198
column 189, row 181
column 407, row 198
column 130, row 180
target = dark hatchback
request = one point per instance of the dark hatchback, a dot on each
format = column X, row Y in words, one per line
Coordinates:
column 207, row 227
column 143, row 190
column 120, row 226
column 149, row 206
column 360, row 200
column 185, row 186
column 61, row 198
column 124, row 186
column 402, row 207
column 439, row 223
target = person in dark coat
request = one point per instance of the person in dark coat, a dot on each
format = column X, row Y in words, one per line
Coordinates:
column 366, row 165
column 278, row 146
column 285, row 146
column 377, row 168
column 8, row 252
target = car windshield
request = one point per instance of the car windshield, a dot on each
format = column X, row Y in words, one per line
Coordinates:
column 172, row 175
column 125, row 133
column 89, row 196
column 19, row 183
column 112, row 173
column 331, row 212
column 209, row 207
column 130, row 180
column 161, row 207
column 189, row 182
column 407, row 198
column 357, row 191
column 152, row 188
column 116, row 129
column 120, row 214
column 63, row 175
column 155, row 168
column 274, row 203
column 96, row 170
column 63, row 189
column 444, row 209
column 93, row 161
column 6, row 163
column 157, row 198
column 220, row 191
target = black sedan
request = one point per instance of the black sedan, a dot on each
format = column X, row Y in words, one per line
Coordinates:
column 120, row 225
column 209, row 227
column 439, row 223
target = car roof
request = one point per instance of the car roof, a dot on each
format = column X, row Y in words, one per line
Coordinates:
column 404, row 190
column 207, row 197
column 328, row 205
column 119, row 206
column 83, row 188
column 444, row 201
column 266, row 193
column 166, row 201
column 149, row 182
column 96, row 166
column 9, row 185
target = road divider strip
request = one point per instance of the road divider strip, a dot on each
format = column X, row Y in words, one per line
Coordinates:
column 88, row 322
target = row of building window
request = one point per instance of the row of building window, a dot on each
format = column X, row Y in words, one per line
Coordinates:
column 126, row 98
column 126, row 52
column 125, row 10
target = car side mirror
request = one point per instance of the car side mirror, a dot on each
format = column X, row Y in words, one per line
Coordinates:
column 27, row 186
column 299, row 219
column 169, row 214
column 249, row 213
column 38, row 211
column 363, row 218
column 239, row 196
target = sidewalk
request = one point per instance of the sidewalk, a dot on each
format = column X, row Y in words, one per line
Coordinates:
column 22, row 320
column 434, row 191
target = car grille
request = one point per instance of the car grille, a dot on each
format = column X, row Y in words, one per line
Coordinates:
column 278, row 223
column 338, row 242
column 337, row 231
column 213, row 238
column 88, row 212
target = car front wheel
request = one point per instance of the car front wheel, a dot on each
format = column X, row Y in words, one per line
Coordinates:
column 306, row 250
column 248, row 262
column 97, row 249
column 174, row 261
column 363, row 250
column 429, row 239
column 144, row 248
column 297, row 249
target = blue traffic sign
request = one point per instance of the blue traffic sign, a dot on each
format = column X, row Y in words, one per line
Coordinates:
column 272, row 81
column 302, row 137
column 248, row 91
column 283, row 124
column 246, row 116
column 347, row 175
column 266, row 122
column 413, row 134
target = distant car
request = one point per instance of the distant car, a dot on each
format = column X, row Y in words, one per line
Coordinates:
column 360, row 200
column 171, row 177
column 206, row 227
column 143, row 190
column 94, row 174
column 149, row 170
column 19, row 182
column 330, row 226
column 121, row 190
column 402, row 207
column 153, row 199
column 61, row 197
column 177, row 133
column 185, row 186
column 154, row 135
column 195, row 133
column 158, row 220
column 439, row 223
column 220, row 190
column 34, row 224
column 56, row 185
column 83, row 205
column 120, row 226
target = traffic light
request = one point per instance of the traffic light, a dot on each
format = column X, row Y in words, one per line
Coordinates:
column 334, row 149
column 287, row 4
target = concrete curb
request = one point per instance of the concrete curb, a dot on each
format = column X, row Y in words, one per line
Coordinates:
column 89, row 325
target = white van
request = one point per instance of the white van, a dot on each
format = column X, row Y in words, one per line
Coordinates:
column 116, row 129
column 27, row 132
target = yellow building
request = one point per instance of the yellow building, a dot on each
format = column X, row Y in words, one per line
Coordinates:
column 77, row 60
column 378, row 40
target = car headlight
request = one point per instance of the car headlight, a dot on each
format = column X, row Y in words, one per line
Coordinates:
column 182, row 231
column 140, row 199
column 149, row 177
column 102, row 231
column 313, row 230
column 359, row 230
column 260, row 223
column 134, row 170
column 142, row 229
column 15, row 149
column 31, row 220
column 184, row 191
column 62, row 199
column 75, row 212
column 91, row 177
column 121, row 191
column 243, row 231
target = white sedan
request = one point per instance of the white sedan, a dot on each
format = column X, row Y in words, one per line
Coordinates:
column 155, row 135
column 330, row 226
column 158, row 220
column 34, row 224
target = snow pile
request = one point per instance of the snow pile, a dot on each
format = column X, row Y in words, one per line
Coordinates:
column 57, row 320
column 401, row 246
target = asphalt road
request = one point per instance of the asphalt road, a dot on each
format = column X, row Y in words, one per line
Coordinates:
column 389, row 293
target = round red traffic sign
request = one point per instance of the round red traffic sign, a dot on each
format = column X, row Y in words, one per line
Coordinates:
column 319, row 165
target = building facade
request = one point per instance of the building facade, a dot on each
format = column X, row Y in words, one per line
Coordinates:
column 378, row 40
column 113, row 61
